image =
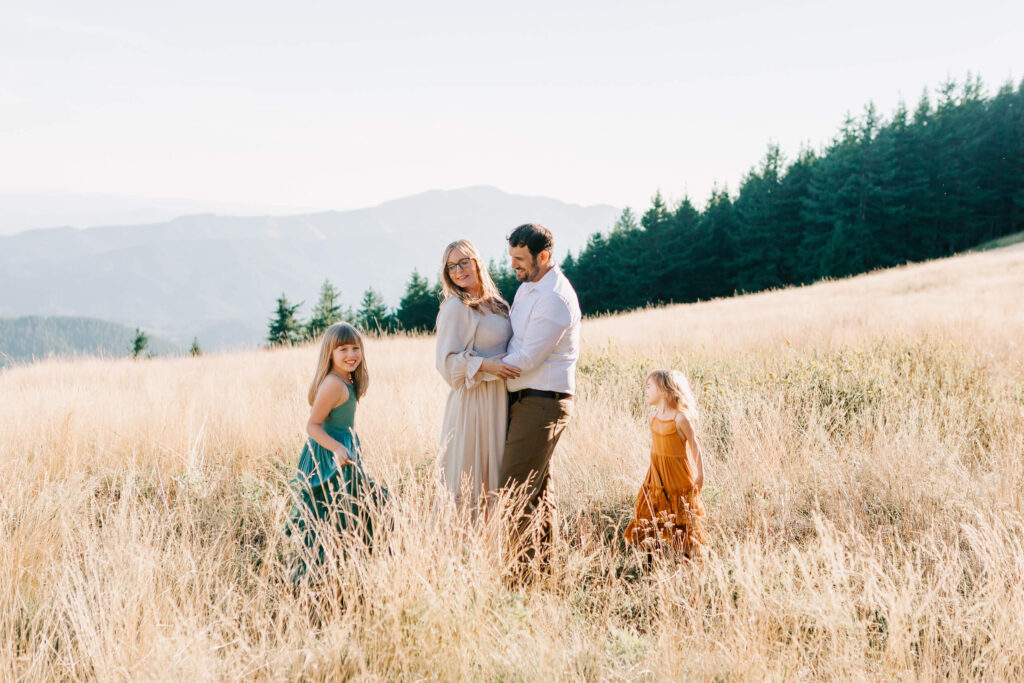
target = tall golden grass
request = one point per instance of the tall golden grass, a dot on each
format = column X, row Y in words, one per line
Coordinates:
column 864, row 443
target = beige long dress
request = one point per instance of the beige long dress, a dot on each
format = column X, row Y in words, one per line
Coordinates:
column 475, row 416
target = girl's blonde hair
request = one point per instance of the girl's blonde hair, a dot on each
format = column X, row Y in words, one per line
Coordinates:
column 677, row 390
column 337, row 335
column 491, row 295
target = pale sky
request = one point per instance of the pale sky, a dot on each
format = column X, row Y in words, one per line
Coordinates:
column 338, row 105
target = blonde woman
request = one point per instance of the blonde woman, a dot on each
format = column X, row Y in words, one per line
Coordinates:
column 669, row 510
column 473, row 330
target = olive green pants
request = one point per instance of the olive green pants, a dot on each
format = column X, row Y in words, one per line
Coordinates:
column 535, row 424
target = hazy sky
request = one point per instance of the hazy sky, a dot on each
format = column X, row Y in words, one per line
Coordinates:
column 342, row 105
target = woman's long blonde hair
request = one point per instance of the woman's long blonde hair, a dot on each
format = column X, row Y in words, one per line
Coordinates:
column 491, row 296
column 337, row 335
column 678, row 392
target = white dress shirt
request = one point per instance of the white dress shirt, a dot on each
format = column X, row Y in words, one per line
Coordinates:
column 545, row 342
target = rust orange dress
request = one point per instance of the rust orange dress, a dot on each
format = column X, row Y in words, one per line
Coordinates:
column 669, row 509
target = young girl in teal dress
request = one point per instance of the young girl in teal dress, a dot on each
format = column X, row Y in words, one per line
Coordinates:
column 331, row 488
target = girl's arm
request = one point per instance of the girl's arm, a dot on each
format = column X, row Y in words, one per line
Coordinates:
column 686, row 429
column 331, row 394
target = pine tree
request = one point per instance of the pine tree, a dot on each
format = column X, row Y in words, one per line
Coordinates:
column 627, row 219
column 789, row 225
column 327, row 311
column 284, row 328
column 656, row 216
column 713, row 260
column 194, row 350
column 373, row 315
column 672, row 283
column 417, row 311
column 139, row 343
column 757, row 243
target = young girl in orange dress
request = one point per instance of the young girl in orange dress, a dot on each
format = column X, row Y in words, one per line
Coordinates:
column 669, row 511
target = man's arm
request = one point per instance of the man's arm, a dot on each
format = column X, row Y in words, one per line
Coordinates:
column 549, row 320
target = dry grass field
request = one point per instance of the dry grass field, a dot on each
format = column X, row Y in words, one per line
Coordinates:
column 865, row 491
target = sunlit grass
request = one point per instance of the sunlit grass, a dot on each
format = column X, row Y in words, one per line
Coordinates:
column 864, row 488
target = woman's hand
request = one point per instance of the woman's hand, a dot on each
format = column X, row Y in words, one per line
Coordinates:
column 342, row 457
column 496, row 367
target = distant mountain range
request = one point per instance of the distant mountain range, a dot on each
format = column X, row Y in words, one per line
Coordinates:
column 216, row 277
column 35, row 337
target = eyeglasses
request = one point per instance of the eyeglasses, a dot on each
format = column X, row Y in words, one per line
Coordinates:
column 459, row 265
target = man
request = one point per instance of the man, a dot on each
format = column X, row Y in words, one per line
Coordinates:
column 545, row 346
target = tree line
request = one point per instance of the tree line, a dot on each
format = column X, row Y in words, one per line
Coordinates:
column 917, row 185
column 416, row 311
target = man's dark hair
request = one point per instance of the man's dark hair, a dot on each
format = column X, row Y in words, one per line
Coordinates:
column 533, row 236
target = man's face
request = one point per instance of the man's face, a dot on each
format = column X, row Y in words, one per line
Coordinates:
column 527, row 266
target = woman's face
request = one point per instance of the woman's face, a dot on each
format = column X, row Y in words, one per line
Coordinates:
column 347, row 357
column 462, row 270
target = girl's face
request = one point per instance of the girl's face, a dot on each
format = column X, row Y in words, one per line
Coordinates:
column 347, row 357
column 653, row 392
column 462, row 270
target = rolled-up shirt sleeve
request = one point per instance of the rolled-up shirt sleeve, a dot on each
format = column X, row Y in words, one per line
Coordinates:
column 549, row 320
column 454, row 356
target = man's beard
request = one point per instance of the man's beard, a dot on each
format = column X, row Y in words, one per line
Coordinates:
column 531, row 272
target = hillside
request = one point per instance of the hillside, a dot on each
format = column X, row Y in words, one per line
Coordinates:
column 966, row 297
column 36, row 337
column 216, row 277
column 862, row 443
column 1005, row 241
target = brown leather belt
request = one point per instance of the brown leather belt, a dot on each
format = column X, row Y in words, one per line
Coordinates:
column 514, row 396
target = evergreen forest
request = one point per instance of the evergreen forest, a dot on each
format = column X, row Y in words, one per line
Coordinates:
column 914, row 185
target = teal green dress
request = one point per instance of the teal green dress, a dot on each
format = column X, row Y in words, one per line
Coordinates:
column 327, row 497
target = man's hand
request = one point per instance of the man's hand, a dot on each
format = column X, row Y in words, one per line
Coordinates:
column 496, row 367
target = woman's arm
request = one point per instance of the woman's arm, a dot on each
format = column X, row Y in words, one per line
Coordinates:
column 458, row 364
column 331, row 394
column 686, row 429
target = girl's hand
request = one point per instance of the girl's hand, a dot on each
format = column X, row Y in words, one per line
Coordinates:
column 342, row 457
column 495, row 367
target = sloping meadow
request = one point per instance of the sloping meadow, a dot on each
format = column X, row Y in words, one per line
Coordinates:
column 863, row 492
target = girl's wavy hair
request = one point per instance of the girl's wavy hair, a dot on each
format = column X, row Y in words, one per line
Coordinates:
column 337, row 335
column 491, row 295
column 678, row 392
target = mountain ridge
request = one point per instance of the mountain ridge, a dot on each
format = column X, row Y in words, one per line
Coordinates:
column 196, row 274
column 30, row 338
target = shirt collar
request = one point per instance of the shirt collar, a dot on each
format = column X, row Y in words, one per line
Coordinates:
column 545, row 283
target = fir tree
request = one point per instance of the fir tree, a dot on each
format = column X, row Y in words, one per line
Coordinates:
column 328, row 310
column 284, row 328
column 139, row 343
column 417, row 311
column 626, row 221
column 373, row 315
column 194, row 350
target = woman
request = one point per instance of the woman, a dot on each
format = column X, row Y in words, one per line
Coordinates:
column 472, row 332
